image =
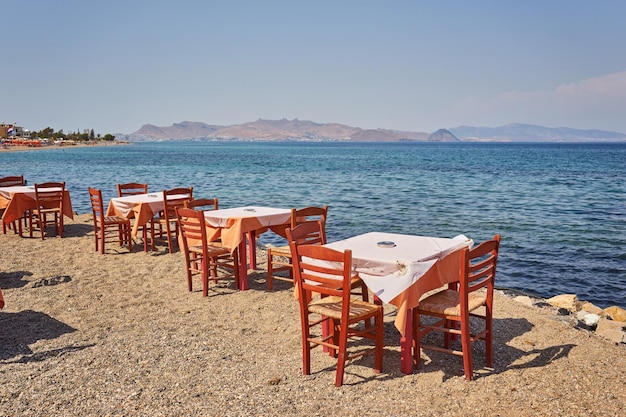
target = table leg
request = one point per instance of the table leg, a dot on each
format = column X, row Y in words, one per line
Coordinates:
column 145, row 239
column 243, row 266
column 406, row 344
column 252, row 248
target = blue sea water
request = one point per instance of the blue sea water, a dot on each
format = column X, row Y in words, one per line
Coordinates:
column 561, row 208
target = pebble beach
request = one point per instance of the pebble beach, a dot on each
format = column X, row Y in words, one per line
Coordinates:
column 119, row 334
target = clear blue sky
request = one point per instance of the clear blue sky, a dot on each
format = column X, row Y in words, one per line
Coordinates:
column 409, row 65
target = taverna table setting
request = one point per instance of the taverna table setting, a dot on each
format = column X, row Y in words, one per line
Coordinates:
column 238, row 224
column 18, row 200
column 400, row 268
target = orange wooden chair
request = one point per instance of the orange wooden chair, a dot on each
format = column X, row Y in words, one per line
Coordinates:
column 108, row 228
column 279, row 257
column 49, row 201
column 131, row 188
column 323, row 279
column 453, row 308
column 203, row 257
column 166, row 220
column 10, row 182
column 202, row 204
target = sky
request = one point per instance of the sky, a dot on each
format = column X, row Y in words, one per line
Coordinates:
column 113, row 66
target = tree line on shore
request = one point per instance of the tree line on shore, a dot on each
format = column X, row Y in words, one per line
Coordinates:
column 84, row 136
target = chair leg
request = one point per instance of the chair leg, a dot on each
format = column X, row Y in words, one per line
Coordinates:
column 306, row 346
column 488, row 340
column 466, row 347
column 378, row 360
column 270, row 270
column 341, row 357
column 205, row 277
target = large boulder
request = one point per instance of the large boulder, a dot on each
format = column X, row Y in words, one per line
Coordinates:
column 616, row 313
column 566, row 301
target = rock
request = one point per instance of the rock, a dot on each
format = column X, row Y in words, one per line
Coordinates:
column 588, row 319
column 525, row 300
column 612, row 330
column 592, row 308
column 616, row 313
column 566, row 301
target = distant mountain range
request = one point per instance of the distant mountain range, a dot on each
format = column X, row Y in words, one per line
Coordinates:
column 303, row 130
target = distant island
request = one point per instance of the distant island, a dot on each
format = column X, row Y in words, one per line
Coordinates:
column 303, row 130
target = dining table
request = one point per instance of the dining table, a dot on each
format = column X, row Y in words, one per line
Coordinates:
column 235, row 226
column 399, row 269
column 141, row 207
column 16, row 200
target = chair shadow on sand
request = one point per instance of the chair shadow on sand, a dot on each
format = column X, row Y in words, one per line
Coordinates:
column 21, row 329
column 505, row 357
column 14, row 279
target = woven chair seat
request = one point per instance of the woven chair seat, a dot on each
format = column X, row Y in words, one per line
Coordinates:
column 447, row 302
column 331, row 307
column 281, row 251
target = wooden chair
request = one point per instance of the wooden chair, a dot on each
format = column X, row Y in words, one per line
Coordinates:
column 203, row 257
column 166, row 220
column 453, row 308
column 10, row 182
column 323, row 279
column 279, row 257
column 49, row 201
column 202, row 204
column 108, row 228
column 131, row 188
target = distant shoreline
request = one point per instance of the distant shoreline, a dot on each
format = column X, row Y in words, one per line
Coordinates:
column 20, row 148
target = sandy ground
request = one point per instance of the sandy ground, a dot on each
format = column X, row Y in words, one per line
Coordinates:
column 120, row 335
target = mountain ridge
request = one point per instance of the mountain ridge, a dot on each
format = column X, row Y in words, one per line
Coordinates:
column 305, row 130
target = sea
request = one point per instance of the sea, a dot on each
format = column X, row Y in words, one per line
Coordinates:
column 560, row 207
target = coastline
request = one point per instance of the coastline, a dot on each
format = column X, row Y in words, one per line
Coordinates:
column 120, row 334
column 21, row 148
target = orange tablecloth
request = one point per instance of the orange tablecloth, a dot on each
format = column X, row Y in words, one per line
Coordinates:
column 233, row 224
column 17, row 200
column 141, row 207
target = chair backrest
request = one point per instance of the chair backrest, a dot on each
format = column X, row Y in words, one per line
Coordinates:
column 131, row 188
column 175, row 198
column 478, row 269
column 308, row 214
column 97, row 208
column 312, row 215
column 321, row 270
column 50, row 195
column 192, row 227
column 11, row 181
column 307, row 233
column 202, row 204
